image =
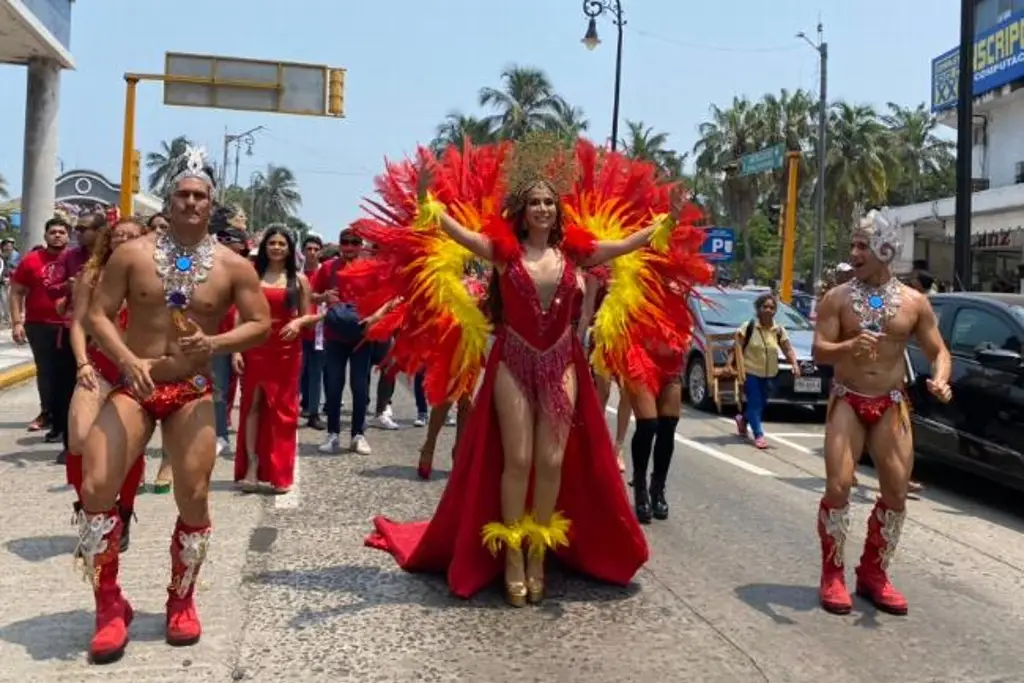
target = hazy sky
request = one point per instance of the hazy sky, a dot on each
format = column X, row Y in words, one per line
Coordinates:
column 410, row 63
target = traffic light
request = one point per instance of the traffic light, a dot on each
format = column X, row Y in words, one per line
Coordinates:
column 136, row 171
column 775, row 215
column 336, row 92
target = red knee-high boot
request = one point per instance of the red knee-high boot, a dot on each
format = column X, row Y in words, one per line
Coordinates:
column 126, row 499
column 188, row 550
column 885, row 526
column 99, row 545
column 833, row 530
column 73, row 474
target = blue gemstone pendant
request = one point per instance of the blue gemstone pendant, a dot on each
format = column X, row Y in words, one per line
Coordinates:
column 183, row 264
column 876, row 302
column 177, row 299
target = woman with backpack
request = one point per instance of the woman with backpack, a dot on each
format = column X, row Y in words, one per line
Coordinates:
column 760, row 341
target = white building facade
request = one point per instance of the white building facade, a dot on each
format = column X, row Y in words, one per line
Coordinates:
column 997, row 220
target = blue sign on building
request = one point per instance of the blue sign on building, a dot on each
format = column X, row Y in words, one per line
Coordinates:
column 719, row 244
column 998, row 60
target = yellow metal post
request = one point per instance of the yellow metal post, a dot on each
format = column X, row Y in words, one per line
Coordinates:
column 128, row 145
column 789, row 230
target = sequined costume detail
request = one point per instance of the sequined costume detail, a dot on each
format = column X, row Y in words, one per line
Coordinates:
column 538, row 341
column 182, row 268
column 170, row 397
column 94, row 547
column 875, row 307
column 870, row 409
column 191, row 548
column 835, row 525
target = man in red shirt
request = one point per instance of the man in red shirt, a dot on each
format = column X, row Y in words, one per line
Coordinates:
column 312, row 376
column 60, row 282
column 35, row 320
column 341, row 350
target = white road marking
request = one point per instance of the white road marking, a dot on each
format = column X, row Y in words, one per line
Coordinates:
column 782, row 438
column 290, row 500
column 714, row 453
column 799, row 435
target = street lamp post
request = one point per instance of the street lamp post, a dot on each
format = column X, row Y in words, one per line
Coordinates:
column 237, row 140
column 821, row 47
column 594, row 9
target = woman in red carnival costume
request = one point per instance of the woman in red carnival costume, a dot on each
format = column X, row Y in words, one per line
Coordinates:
column 269, row 410
column 595, row 289
column 553, row 213
column 477, row 288
column 97, row 374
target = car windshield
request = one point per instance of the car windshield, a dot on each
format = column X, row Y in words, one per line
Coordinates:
column 1018, row 312
column 734, row 309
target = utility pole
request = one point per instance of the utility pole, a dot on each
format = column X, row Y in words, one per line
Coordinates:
column 819, row 194
column 964, row 144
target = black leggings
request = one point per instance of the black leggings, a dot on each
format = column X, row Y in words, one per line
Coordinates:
column 657, row 435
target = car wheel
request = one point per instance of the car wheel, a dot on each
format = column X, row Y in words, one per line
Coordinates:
column 697, row 384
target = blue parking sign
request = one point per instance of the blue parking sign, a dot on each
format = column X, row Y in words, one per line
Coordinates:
column 719, row 244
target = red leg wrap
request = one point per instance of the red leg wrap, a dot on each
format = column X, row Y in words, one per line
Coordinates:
column 188, row 550
column 73, row 472
column 98, row 550
column 130, row 488
column 885, row 526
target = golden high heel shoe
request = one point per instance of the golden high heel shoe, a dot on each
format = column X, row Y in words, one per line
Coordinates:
column 496, row 535
column 535, row 590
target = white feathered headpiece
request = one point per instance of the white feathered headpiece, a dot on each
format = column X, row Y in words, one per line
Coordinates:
column 193, row 165
column 883, row 231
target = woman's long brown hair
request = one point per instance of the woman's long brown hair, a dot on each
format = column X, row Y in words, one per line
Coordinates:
column 515, row 209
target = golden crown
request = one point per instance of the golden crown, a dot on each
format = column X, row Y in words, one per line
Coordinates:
column 540, row 157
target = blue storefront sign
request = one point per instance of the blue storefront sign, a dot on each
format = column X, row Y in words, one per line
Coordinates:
column 998, row 60
column 719, row 245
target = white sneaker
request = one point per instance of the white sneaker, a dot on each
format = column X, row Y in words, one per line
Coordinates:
column 420, row 421
column 332, row 444
column 360, row 445
column 222, row 445
column 385, row 421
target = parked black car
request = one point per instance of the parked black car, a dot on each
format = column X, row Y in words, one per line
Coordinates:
column 717, row 311
column 982, row 428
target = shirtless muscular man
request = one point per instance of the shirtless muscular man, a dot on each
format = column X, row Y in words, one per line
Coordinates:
column 862, row 330
column 177, row 284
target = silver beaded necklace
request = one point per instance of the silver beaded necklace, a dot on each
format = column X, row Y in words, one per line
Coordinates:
column 182, row 268
column 875, row 306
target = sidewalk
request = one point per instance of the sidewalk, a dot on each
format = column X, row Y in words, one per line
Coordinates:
column 47, row 618
column 15, row 361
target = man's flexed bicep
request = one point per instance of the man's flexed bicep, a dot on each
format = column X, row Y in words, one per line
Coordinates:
column 253, row 312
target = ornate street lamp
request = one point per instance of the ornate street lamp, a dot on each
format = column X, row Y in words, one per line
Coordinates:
column 593, row 9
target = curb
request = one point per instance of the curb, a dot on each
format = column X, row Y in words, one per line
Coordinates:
column 17, row 374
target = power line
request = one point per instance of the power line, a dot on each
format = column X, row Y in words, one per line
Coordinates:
column 712, row 48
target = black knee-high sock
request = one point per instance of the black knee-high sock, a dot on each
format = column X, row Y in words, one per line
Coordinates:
column 664, row 446
column 643, row 439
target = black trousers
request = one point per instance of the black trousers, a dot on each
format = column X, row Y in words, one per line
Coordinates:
column 42, row 339
column 56, row 372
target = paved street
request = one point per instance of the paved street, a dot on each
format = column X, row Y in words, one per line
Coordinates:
column 729, row 596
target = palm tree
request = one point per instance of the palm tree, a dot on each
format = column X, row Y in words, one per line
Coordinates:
column 730, row 134
column 4, row 193
column 859, row 162
column 918, row 153
column 162, row 165
column 571, row 122
column 457, row 128
column 275, row 196
column 526, row 102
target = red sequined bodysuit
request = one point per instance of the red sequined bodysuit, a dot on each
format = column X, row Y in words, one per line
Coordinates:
column 537, row 345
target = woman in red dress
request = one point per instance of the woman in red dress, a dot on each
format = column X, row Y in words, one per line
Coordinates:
column 530, row 463
column 97, row 374
column 268, row 416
